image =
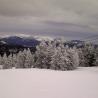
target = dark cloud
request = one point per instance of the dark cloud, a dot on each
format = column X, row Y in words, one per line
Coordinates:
column 72, row 18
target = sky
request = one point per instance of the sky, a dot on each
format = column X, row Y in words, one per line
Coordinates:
column 62, row 18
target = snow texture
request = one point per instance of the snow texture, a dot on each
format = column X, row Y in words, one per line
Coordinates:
column 41, row 83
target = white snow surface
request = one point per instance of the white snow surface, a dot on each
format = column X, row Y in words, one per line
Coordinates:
column 41, row 83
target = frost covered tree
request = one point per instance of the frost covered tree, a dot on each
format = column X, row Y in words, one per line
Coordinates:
column 88, row 53
column 81, row 57
column 15, row 61
column 54, row 55
column 43, row 55
column 7, row 61
column 74, row 55
column 1, row 62
column 21, row 56
column 24, row 59
column 60, row 59
column 4, row 58
column 10, row 61
column 29, row 60
column 96, row 57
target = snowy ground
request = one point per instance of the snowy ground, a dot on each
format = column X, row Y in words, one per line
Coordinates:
column 37, row 83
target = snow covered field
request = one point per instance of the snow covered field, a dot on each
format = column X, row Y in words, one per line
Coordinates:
column 40, row 83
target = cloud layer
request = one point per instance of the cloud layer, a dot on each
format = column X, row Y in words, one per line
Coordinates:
column 49, row 17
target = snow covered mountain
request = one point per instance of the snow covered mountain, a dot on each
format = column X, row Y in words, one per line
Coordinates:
column 23, row 39
column 32, row 41
column 15, row 40
column 37, row 37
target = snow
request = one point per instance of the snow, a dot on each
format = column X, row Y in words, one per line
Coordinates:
column 18, row 35
column 41, row 83
column 37, row 37
column 46, row 38
column 3, row 42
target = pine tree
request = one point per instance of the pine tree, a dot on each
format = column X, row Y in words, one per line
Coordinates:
column 29, row 59
column 81, row 58
column 54, row 55
column 21, row 57
column 25, row 59
column 71, row 64
column 59, row 58
column 43, row 55
column 96, row 57
column 88, row 52
column 7, row 61
column 75, row 56
column 15, row 61
column 1, row 62
column 10, row 61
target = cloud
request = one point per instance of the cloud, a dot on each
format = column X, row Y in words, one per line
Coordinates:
column 51, row 17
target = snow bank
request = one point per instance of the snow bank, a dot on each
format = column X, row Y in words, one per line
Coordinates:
column 37, row 83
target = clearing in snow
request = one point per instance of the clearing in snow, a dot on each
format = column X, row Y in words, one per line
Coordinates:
column 37, row 83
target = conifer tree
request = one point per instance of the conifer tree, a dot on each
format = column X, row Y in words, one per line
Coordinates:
column 88, row 52
column 29, row 61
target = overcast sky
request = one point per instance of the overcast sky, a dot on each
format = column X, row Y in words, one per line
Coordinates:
column 69, row 18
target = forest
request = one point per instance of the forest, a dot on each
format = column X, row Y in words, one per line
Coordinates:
column 52, row 55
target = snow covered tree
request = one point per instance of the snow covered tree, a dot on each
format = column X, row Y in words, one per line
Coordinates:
column 29, row 60
column 88, row 53
column 1, row 62
column 24, row 59
column 21, row 56
column 60, row 59
column 81, row 57
column 54, row 55
column 7, row 61
column 15, row 61
column 43, row 55
column 74, row 55
column 96, row 57
column 10, row 61
column 4, row 61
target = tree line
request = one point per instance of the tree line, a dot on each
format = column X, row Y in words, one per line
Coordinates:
column 52, row 55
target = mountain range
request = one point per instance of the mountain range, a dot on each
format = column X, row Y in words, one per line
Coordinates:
column 30, row 41
column 15, row 40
